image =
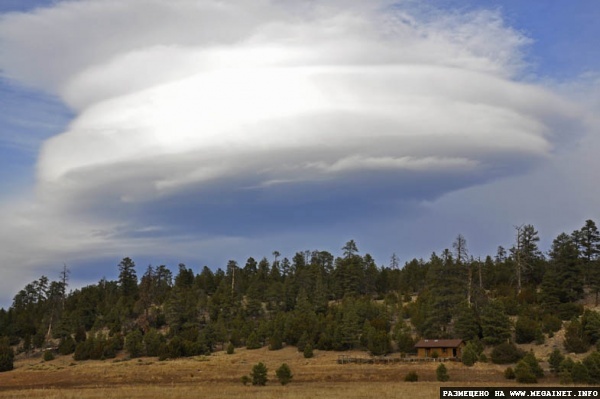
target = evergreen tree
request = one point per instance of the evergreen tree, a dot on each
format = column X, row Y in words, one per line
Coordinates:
column 7, row 356
column 524, row 374
column 495, row 324
column 127, row 278
column 259, row 374
column 284, row 374
column 441, row 373
column 555, row 360
column 575, row 338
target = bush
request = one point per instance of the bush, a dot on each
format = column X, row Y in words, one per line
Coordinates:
column 469, row 355
column 7, row 357
column 551, row 323
column 506, row 353
column 134, row 344
column 441, row 373
column 569, row 310
column 526, row 330
column 246, row 380
column 509, row 373
column 524, row 373
column 580, row 374
column 66, row 345
column 284, row 374
column 259, row 374
column 555, row 359
column 252, row 342
column 533, row 364
column 308, row 351
column 575, row 339
column 230, row 349
column 412, row 376
column 48, row 355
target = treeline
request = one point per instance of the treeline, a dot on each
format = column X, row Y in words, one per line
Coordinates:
column 318, row 300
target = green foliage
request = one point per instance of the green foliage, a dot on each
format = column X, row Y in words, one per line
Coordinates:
column 378, row 342
column 533, row 364
column 308, row 351
column 134, row 344
column 284, row 374
column 441, row 373
column 412, row 376
column 551, row 323
column 509, row 373
column 495, row 324
column 555, row 359
column 252, row 342
column 506, row 353
column 469, row 355
column 591, row 326
column 7, row 357
column 526, row 330
column 230, row 349
column 66, row 346
column 592, row 364
column 152, row 342
column 48, row 355
column 575, row 339
column 524, row 374
column 246, row 380
column 259, row 374
column 580, row 373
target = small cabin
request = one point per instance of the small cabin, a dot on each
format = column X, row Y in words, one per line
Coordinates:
column 444, row 348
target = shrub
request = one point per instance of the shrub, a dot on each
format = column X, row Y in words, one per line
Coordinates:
column 7, row 357
column 230, row 349
column 526, row 330
column 308, row 351
column 441, row 373
column 469, row 355
column 48, row 355
column 252, row 342
column 575, row 339
column 66, row 345
column 569, row 310
column 533, row 364
column 551, row 323
column 506, row 353
column 259, row 374
column 284, row 374
column 524, row 373
column 509, row 373
column 412, row 376
column 134, row 343
column 246, row 380
column 555, row 359
column 580, row 373
column 152, row 342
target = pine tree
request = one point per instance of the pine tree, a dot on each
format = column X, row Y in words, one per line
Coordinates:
column 442, row 373
column 259, row 374
column 575, row 339
column 284, row 374
column 495, row 324
column 7, row 356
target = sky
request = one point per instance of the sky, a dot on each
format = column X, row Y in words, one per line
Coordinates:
column 202, row 131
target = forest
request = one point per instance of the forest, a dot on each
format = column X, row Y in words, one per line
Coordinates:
column 318, row 301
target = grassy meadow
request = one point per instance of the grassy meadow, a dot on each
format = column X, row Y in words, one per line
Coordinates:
column 219, row 376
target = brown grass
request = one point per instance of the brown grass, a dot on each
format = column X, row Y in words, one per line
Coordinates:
column 218, row 376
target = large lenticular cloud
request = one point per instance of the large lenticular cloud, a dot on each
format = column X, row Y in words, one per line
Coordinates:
column 193, row 112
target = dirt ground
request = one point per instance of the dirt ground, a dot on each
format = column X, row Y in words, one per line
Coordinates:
column 219, row 375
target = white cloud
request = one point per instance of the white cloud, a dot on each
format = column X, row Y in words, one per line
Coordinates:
column 227, row 99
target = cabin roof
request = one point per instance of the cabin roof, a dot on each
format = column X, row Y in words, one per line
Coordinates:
column 439, row 343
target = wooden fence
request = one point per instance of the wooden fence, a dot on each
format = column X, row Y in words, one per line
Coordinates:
column 346, row 359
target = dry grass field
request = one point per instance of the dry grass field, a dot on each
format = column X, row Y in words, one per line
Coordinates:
column 218, row 376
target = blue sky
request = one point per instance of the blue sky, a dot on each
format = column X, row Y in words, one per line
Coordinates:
column 199, row 132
